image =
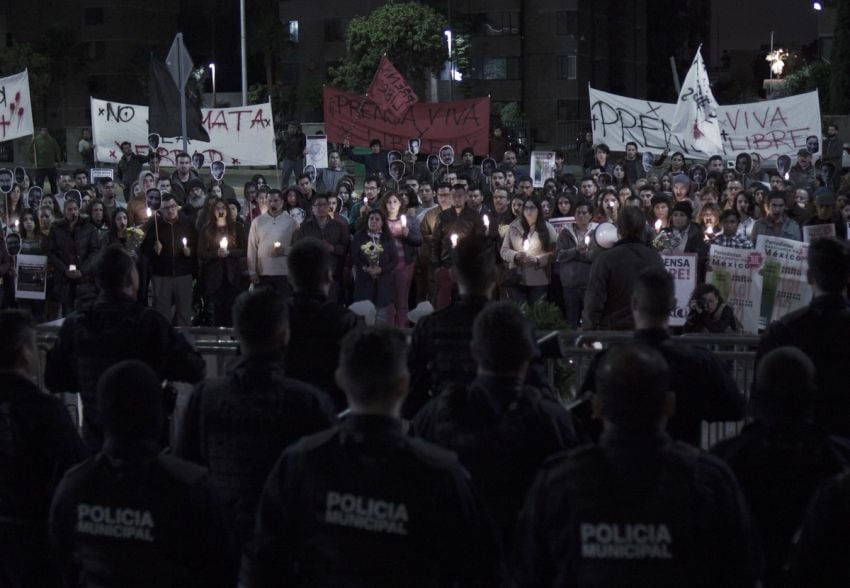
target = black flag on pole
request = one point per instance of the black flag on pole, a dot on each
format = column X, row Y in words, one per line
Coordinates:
column 164, row 113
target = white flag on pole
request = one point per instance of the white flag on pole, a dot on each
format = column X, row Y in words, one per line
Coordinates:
column 697, row 110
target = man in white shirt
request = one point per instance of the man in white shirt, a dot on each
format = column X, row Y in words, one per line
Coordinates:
column 269, row 241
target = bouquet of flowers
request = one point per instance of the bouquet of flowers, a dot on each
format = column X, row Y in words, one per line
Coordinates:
column 666, row 241
column 372, row 250
column 134, row 235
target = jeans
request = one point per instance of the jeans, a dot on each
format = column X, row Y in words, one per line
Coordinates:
column 527, row 294
column 287, row 168
column 573, row 305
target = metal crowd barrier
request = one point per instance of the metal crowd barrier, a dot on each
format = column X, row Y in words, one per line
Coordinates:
column 737, row 352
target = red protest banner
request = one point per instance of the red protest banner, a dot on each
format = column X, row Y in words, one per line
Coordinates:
column 463, row 123
column 389, row 89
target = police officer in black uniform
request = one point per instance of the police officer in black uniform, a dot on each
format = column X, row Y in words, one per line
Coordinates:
column 781, row 457
column 822, row 331
column 440, row 355
column 116, row 327
column 362, row 504
column 38, row 444
column 317, row 323
column 238, row 425
column 639, row 509
column 501, row 429
column 822, row 555
column 132, row 516
column 705, row 391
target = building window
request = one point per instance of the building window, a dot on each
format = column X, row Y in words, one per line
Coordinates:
column 290, row 28
column 93, row 17
column 567, row 67
column 335, row 29
column 495, row 24
column 495, row 68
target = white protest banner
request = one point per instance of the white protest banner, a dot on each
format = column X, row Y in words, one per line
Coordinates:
column 241, row 136
column 816, row 231
column 317, row 152
column 31, row 282
column 731, row 271
column 697, row 111
column 15, row 107
column 542, row 167
column 782, row 278
column 683, row 268
column 770, row 128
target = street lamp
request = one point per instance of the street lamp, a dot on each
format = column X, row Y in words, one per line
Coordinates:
column 212, row 69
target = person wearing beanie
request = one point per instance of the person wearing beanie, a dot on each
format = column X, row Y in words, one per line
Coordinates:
column 681, row 188
column 825, row 213
column 682, row 236
column 660, row 212
column 133, row 515
column 781, row 457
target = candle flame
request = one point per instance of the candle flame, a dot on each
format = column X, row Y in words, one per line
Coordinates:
column 526, row 245
column 454, row 239
column 486, row 220
column 223, row 243
column 657, row 225
column 404, row 220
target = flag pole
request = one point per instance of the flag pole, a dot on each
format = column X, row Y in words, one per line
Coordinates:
column 182, row 88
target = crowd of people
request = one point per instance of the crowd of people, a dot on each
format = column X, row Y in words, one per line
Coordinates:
column 338, row 454
column 201, row 245
column 446, row 461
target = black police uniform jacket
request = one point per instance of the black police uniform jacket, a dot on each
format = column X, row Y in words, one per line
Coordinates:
column 364, row 505
column 638, row 510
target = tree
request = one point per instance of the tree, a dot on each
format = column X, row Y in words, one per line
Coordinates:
column 411, row 35
column 839, row 94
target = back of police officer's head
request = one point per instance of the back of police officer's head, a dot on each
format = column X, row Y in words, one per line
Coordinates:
column 829, row 265
column 502, row 341
column 115, row 271
column 130, row 400
column 633, row 389
column 261, row 321
column 784, row 386
column 653, row 297
column 474, row 265
column 18, row 348
column 310, row 266
column 372, row 370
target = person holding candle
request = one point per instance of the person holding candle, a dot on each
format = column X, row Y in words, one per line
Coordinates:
column 332, row 234
column 404, row 230
column 573, row 257
column 269, row 240
column 458, row 220
column 222, row 246
column 171, row 264
column 530, row 245
column 72, row 241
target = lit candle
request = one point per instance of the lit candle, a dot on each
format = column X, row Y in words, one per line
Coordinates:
column 277, row 244
column 526, row 245
column 709, row 230
column 72, row 268
column 454, row 239
column 223, row 244
column 17, row 222
column 486, row 220
column 657, row 225
column 365, row 201
column 586, row 240
column 149, row 212
column 404, row 220
column 185, row 242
